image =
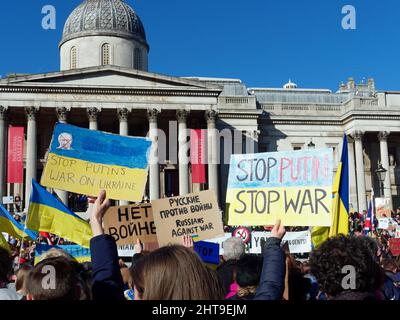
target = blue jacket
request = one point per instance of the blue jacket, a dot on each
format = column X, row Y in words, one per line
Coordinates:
column 106, row 274
column 272, row 281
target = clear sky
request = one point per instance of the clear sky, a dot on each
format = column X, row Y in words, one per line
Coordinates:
column 262, row 42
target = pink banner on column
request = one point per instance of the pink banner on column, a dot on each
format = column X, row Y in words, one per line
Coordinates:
column 197, row 155
column 15, row 166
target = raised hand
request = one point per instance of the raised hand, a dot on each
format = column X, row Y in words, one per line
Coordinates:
column 278, row 231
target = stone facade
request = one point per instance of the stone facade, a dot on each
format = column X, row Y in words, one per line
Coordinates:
column 122, row 99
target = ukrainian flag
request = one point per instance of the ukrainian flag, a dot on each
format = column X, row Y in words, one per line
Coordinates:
column 4, row 243
column 340, row 205
column 48, row 214
column 15, row 229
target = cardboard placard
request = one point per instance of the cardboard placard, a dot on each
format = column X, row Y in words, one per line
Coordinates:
column 382, row 208
column 195, row 214
column 126, row 224
column 293, row 186
column 86, row 161
column 208, row 251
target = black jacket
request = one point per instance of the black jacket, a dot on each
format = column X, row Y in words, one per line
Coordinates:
column 272, row 281
column 106, row 274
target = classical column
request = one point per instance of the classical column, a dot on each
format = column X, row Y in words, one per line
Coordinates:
column 212, row 151
column 31, row 152
column 362, row 197
column 62, row 117
column 183, row 160
column 3, row 111
column 123, row 114
column 383, row 140
column 92, row 115
column 154, row 167
column 352, row 175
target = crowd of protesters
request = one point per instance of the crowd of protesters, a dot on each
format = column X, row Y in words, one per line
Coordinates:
column 176, row 272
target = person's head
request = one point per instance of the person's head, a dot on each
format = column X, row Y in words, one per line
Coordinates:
column 174, row 273
column 54, row 279
column 54, row 253
column 390, row 265
column 5, row 265
column 22, row 276
column 248, row 273
column 234, row 249
column 337, row 257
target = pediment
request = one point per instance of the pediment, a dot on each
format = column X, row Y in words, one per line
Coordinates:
column 109, row 77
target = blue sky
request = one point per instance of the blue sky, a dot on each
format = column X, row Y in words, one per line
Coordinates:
column 262, row 42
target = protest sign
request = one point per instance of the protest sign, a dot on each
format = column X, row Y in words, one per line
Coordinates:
column 8, row 200
column 87, row 161
column 294, row 186
column 394, row 246
column 193, row 214
column 126, row 224
column 383, row 223
column 299, row 242
column 383, row 209
column 208, row 251
column 80, row 254
column 243, row 233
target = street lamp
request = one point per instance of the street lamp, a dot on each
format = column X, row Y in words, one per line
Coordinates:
column 311, row 145
column 381, row 173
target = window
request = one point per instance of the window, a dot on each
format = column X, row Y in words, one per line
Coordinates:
column 297, row 146
column 105, row 54
column 73, row 58
column 137, row 63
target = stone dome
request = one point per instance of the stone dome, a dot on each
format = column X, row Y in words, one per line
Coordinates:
column 104, row 17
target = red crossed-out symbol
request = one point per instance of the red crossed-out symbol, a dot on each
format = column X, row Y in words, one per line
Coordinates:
column 243, row 234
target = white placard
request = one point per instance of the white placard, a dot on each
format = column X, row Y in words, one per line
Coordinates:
column 8, row 200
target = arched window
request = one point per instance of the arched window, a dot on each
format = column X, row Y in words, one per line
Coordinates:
column 105, row 54
column 137, row 64
column 73, row 58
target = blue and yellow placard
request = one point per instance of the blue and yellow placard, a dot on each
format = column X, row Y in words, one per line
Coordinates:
column 208, row 251
column 79, row 253
column 294, row 186
column 86, row 161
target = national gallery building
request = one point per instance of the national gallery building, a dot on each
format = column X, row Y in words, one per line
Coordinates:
column 104, row 84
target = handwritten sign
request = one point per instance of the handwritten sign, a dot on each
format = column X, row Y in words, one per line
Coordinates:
column 79, row 253
column 383, row 209
column 294, row 186
column 383, row 223
column 196, row 215
column 126, row 224
column 299, row 242
column 86, row 161
column 208, row 251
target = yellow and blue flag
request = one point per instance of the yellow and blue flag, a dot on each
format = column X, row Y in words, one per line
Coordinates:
column 340, row 205
column 47, row 213
column 4, row 243
column 11, row 226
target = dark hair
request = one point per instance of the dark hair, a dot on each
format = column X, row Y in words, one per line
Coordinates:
column 329, row 259
column 66, row 280
column 248, row 271
column 5, row 265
